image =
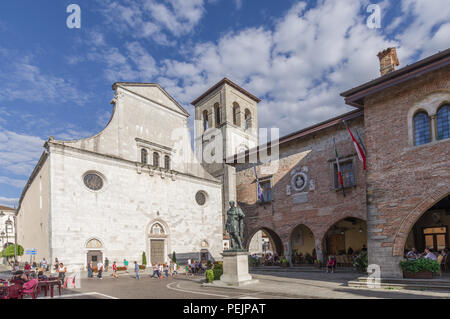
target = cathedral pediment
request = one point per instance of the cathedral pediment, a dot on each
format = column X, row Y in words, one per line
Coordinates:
column 154, row 93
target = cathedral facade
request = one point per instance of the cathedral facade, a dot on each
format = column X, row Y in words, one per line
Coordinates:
column 132, row 189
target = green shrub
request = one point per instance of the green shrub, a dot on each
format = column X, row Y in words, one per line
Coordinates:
column 210, row 275
column 253, row 262
column 418, row 265
column 361, row 262
column 144, row 258
column 218, row 271
column 174, row 257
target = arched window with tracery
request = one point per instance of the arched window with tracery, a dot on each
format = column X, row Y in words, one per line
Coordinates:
column 248, row 119
column 217, row 114
column 443, row 122
column 236, row 110
column 205, row 120
column 155, row 159
column 422, row 132
column 144, row 155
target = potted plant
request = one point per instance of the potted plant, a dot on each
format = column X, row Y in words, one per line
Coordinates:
column 317, row 263
column 308, row 258
column 421, row 268
column 284, row 262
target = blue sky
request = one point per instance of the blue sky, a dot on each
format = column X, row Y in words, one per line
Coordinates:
column 296, row 55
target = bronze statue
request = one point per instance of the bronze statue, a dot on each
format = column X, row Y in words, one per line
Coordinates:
column 235, row 226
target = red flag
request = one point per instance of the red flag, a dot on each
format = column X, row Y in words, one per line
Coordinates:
column 359, row 151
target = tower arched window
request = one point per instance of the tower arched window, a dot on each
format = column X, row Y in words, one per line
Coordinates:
column 144, row 155
column 422, row 132
column 217, row 114
column 167, row 162
column 443, row 122
column 205, row 120
column 248, row 119
column 236, row 110
column 155, row 159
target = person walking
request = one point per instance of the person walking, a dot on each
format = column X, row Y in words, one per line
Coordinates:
column 106, row 264
column 90, row 270
column 174, row 269
column 100, row 269
column 160, row 270
column 125, row 264
column 166, row 270
column 155, row 271
column 136, row 269
column 114, row 269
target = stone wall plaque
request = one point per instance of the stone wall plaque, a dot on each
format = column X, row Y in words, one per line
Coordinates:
column 300, row 198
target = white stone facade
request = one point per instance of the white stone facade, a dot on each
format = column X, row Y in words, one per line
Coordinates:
column 134, row 195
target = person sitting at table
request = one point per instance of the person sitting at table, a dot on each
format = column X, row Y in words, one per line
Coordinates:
column 41, row 276
column 429, row 254
column 412, row 254
column 331, row 264
column 20, row 276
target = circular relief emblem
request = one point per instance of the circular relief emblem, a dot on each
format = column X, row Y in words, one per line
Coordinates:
column 200, row 198
column 93, row 181
column 299, row 181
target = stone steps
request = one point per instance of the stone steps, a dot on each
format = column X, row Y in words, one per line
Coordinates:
column 264, row 269
column 416, row 284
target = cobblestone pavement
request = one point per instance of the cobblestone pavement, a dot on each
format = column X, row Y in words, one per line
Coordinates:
column 270, row 286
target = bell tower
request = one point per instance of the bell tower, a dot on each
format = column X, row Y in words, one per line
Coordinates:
column 226, row 123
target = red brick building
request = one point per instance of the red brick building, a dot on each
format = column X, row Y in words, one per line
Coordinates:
column 402, row 199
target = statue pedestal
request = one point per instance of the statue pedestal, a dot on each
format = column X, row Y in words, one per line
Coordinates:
column 235, row 269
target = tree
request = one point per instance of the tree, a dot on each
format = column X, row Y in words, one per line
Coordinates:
column 9, row 251
column 144, row 258
column 174, row 257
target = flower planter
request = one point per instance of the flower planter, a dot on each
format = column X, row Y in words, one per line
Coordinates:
column 418, row 275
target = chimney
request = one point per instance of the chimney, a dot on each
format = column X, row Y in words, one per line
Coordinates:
column 388, row 61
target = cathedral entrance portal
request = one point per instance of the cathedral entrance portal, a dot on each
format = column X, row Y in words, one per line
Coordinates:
column 157, row 251
column 95, row 256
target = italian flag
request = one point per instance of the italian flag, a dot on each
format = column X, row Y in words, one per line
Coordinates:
column 341, row 181
column 359, row 151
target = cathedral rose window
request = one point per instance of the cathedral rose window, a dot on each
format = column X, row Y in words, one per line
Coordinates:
column 200, row 198
column 93, row 181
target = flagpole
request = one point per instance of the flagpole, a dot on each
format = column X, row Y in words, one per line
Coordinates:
column 341, row 182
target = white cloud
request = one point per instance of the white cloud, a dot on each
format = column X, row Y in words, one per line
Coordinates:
column 299, row 67
column 23, row 80
column 154, row 19
column 17, row 183
column 10, row 202
column 19, row 152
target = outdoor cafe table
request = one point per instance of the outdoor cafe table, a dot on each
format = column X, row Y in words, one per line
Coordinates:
column 49, row 284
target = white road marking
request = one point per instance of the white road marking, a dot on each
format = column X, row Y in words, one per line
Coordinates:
column 169, row 286
column 79, row 295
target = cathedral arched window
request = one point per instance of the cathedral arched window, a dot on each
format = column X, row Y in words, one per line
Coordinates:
column 205, row 120
column 167, row 162
column 144, row 155
column 94, row 243
column 443, row 122
column 422, row 132
column 248, row 119
column 236, row 110
column 155, row 159
column 217, row 114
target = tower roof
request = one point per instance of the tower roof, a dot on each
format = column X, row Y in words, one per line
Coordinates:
column 230, row 83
